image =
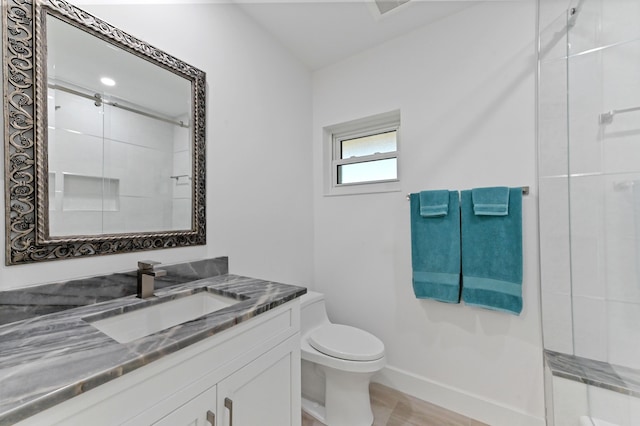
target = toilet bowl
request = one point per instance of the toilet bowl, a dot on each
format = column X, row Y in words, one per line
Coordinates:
column 338, row 362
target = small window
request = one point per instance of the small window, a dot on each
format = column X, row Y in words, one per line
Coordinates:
column 364, row 155
column 366, row 158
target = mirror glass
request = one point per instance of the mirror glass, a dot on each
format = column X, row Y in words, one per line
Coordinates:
column 105, row 138
column 119, row 144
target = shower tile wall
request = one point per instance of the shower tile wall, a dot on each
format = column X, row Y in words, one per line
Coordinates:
column 605, row 182
column 590, row 180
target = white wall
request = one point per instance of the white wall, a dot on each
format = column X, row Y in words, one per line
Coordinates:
column 258, row 120
column 466, row 90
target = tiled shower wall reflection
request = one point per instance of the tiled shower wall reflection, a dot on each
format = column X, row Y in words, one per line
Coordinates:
column 589, row 177
column 136, row 153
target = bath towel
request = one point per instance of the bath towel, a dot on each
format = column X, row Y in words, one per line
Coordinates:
column 434, row 203
column 492, row 255
column 490, row 201
column 435, row 251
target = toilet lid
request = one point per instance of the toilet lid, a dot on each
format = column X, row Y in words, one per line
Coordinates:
column 345, row 342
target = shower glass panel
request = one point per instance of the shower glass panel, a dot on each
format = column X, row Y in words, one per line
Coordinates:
column 589, row 183
column 604, row 180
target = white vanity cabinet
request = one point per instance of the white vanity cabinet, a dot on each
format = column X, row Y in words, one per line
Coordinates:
column 247, row 375
column 258, row 394
column 196, row 412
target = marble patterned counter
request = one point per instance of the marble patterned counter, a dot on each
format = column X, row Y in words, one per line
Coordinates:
column 47, row 359
column 595, row 373
column 32, row 302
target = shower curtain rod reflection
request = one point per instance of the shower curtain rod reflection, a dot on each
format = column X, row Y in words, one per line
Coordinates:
column 607, row 117
column 99, row 101
column 525, row 191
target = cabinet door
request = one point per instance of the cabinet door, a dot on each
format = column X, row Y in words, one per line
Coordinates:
column 199, row 411
column 263, row 392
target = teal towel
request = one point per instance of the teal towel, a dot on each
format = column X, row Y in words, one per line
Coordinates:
column 492, row 256
column 490, row 201
column 435, row 252
column 434, row 203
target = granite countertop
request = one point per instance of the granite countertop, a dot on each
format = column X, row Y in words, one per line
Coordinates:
column 32, row 302
column 47, row 359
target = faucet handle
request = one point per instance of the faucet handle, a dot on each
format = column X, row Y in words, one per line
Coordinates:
column 147, row 265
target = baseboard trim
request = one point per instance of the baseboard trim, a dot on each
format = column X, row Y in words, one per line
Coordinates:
column 459, row 401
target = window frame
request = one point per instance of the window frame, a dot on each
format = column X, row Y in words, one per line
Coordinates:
column 369, row 126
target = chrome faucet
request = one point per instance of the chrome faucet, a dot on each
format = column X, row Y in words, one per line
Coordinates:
column 146, row 276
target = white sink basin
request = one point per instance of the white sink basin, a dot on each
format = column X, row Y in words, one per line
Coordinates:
column 132, row 325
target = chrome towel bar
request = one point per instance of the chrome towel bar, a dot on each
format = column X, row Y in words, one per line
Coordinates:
column 525, row 191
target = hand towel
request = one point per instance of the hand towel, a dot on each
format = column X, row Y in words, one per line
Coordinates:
column 492, row 256
column 434, row 203
column 435, row 251
column 490, row 201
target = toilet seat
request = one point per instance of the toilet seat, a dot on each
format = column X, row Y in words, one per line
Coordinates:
column 345, row 342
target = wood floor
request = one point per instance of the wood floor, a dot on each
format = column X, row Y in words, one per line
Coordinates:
column 393, row 408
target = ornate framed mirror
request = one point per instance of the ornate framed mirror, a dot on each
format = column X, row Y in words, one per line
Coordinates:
column 104, row 138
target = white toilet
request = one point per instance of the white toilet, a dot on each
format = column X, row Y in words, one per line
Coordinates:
column 337, row 364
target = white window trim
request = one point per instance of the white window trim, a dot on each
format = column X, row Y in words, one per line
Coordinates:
column 372, row 125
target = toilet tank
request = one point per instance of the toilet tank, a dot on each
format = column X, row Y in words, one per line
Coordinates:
column 313, row 312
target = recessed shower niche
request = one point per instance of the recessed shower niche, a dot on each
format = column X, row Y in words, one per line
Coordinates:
column 90, row 193
column 79, row 202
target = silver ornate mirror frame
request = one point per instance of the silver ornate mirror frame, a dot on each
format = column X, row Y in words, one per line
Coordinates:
column 26, row 168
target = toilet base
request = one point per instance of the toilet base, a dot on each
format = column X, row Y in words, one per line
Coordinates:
column 347, row 401
column 314, row 409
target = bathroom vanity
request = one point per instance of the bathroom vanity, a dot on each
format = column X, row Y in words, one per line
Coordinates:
column 238, row 365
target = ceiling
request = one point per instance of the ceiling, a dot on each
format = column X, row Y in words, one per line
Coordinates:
column 322, row 32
